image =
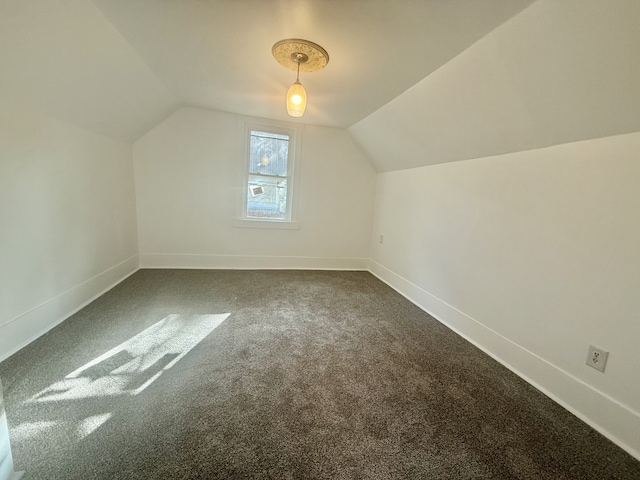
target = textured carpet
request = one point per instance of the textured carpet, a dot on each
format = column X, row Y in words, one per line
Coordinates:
column 280, row 374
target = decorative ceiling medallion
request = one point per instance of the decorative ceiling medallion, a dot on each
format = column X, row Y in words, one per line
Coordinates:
column 286, row 51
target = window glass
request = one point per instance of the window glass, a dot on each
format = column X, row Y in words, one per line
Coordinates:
column 267, row 198
column 268, row 172
column 269, row 153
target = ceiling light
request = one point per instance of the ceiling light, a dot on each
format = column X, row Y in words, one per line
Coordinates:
column 299, row 55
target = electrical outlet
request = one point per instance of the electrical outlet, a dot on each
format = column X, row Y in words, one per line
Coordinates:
column 381, row 239
column 597, row 358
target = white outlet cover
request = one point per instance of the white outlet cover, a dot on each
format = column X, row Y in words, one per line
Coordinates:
column 597, row 358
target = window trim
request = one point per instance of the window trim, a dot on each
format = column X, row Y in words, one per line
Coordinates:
column 294, row 131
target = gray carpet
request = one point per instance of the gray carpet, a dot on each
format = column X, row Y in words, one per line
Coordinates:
column 312, row 375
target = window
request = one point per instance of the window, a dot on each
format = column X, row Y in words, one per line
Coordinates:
column 268, row 175
column 270, row 154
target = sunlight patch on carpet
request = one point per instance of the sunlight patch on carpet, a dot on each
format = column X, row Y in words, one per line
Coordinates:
column 88, row 425
column 132, row 366
column 26, row 430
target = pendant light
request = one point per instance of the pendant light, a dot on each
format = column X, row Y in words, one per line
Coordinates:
column 297, row 95
column 297, row 54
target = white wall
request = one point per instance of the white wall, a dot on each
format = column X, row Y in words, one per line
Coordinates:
column 187, row 182
column 67, row 222
column 533, row 256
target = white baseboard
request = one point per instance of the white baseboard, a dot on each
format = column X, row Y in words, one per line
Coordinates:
column 248, row 262
column 19, row 331
column 614, row 420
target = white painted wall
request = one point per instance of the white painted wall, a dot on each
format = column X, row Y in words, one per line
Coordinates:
column 187, row 182
column 532, row 256
column 67, row 222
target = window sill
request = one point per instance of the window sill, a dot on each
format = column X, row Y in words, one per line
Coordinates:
column 277, row 224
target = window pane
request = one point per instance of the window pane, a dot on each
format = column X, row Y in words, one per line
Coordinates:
column 268, row 153
column 267, row 198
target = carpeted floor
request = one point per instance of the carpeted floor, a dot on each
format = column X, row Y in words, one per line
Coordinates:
column 280, row 374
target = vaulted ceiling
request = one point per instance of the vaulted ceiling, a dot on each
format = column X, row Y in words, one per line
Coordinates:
column 118, row 66
column 415, row 81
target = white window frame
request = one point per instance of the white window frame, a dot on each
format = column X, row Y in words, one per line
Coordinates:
column 294, row 132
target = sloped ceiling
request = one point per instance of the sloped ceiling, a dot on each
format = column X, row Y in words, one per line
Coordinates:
column 119, row 66
column 64, row 59
column 217, row 54
column 559, row 72
column 416, row 81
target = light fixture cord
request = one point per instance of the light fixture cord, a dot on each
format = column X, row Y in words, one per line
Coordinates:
column 298, row 74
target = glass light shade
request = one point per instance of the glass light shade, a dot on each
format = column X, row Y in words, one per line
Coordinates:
column 296, row 100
